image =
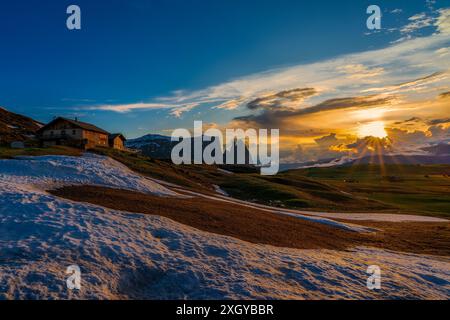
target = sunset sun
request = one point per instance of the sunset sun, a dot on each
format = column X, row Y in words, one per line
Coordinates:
column 375, row 129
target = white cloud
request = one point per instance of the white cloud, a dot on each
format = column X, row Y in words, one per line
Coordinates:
column 439, row 19
column 178, row 111
column 122, row 108
column 359, row 71
column 413, row 85
column 443, row 21
column 401, row 62
column 418, row 21
column 231, row 104
column 443, row 51
column 418, row 17
column 397, row 11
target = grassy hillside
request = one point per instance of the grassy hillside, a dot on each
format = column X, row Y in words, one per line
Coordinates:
column 194, row 177
column 15, row 127
column 296, row 191
column 411, row 188
column 8, row 153
column 366, row 188
column 418, row 189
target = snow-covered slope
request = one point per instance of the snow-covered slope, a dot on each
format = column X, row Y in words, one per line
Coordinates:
column 51, row 171
column 125, row 255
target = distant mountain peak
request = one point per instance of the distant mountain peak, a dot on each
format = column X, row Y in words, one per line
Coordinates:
column 438, row 149
column 151, row 137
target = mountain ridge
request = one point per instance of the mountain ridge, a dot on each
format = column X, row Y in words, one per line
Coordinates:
column 16, row 127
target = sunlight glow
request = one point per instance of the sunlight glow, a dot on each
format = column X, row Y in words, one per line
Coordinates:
column 369, row 114
column 372, row 129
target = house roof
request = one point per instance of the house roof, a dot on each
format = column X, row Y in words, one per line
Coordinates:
column 78, row 124
column 115, row 135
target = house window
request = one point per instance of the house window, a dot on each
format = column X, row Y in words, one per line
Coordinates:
column 74, row 132
column 51, row 133
column 63, row 132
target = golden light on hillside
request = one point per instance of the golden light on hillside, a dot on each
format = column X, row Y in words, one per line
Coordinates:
column 372, row 129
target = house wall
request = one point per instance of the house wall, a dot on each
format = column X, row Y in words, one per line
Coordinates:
column 118, row 143
column 95, row 139
column 73, row 133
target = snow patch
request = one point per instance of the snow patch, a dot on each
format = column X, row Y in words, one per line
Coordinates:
column 220, row 190
column 135, row 256
column 224, row 171
column 47, row 172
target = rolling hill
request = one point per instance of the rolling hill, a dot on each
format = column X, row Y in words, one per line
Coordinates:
column 15, row 127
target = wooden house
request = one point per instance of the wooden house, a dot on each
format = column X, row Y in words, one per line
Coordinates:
column 117, row 141
column 63, row 131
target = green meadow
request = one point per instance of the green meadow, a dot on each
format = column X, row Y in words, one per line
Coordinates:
column 418, row 189
column 406, row 189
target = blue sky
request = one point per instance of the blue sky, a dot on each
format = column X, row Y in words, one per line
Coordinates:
column 168, row 55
